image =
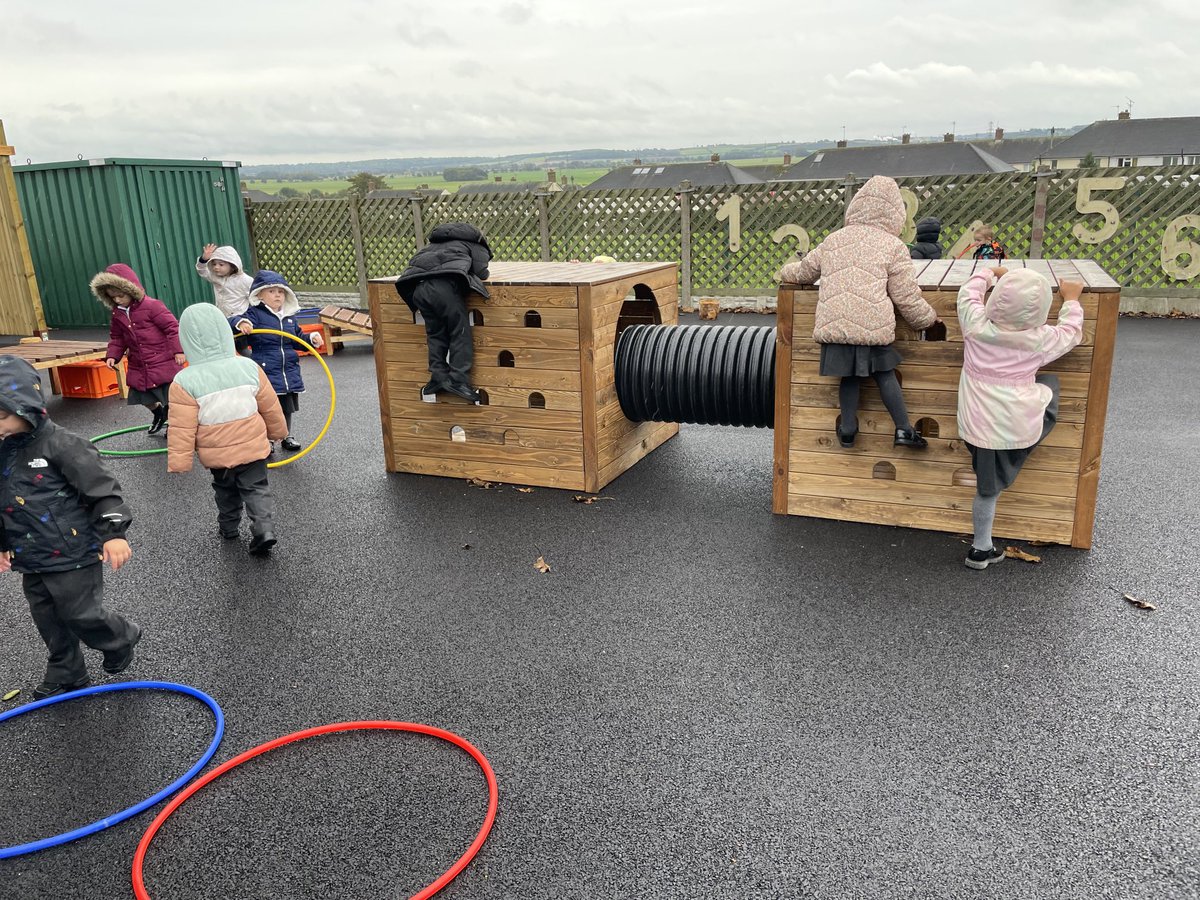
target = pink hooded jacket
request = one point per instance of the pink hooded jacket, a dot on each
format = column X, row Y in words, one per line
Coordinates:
column 1005, row 341
column 866, row 272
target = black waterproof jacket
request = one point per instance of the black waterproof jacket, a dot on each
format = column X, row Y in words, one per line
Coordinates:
column 456, row 250
column 929, row 230
column 58, row 503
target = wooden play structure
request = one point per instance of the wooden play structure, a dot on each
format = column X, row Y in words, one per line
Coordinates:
column 544, row 349
column 20, row 301
column 1053, row 499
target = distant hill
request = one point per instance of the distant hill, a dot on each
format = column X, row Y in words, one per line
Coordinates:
column 432, row 166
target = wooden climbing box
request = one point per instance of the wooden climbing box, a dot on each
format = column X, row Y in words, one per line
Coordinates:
column 544, row 347
column 1054, row 497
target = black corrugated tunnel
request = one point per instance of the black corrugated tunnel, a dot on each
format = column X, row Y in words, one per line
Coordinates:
column 697, row 374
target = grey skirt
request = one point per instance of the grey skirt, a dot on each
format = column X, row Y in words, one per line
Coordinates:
column 156, row 394
column 847, row 360
column 996, row 470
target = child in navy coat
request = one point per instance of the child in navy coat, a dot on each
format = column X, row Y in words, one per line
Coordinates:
column 273, row 305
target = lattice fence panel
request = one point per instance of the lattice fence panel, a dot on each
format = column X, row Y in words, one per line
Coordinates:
column 308, row 242
column 1003, row 201
column 389, row 240
column 509, row 221
column 628, row 225
column 762, row 209
column 1146, row 206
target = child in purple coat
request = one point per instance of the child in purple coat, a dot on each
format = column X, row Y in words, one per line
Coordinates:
column 144, row 330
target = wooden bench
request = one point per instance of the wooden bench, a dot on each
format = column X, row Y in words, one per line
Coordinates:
column 343, row 324
column 1054, row 497
column 52, row 354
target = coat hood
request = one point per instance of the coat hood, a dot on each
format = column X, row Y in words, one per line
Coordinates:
column 121, row 277
column 879, row 205
column 929, row 230
column 267, row 278
column 21, row 391
column 1020, row 301
column 226, row 254
column 205, row 335
column 459, row 231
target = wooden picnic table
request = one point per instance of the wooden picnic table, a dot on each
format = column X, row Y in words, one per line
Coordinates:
column 52, row 354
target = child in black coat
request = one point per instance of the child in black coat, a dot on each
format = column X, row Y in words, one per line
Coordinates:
column 436, row 284
column 62, row 516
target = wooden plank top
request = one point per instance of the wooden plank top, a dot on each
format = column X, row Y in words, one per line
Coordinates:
column 950, row 275
column 40, row 354
column 551, row 273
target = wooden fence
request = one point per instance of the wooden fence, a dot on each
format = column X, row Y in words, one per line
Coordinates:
column 1141, row 224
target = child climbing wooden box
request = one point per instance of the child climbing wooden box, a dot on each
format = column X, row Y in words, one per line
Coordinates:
column 544, row 345
column 1053, row 498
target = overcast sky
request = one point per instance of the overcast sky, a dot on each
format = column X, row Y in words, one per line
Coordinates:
column 312, row 80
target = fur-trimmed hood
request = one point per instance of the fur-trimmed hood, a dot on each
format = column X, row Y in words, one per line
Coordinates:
column 266, row 278
column 121, row 277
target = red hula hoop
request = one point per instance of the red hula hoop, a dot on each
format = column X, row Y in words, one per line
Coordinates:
column 139, row 887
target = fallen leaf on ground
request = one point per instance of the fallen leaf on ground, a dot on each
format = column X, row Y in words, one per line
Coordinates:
column 466, row 546
column 580, row 498
column 1017, row 553
column 525, row 490
column 11, row 695
column 541, row 565
column 479, row 482
column 1140, row 604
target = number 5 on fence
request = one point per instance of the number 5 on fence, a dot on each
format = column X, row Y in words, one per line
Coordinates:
column 1086, row 205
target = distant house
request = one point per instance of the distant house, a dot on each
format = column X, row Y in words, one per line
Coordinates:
column 948, row 157
column 773, row 172
column 1126, row 141
column 257, row 196
column 508, row 187
column 389, row 194
column 1020, row 153
column 669, row 175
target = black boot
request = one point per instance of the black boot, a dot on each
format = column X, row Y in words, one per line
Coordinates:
column 160, row 420
column 461, row 389
column 909, row 437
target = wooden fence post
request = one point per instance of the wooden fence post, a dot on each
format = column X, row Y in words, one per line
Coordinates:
column 848, row 185
column 544, row 223
column 685, row 244
column 418, row 225
column 1038, row 233
column 360, row 256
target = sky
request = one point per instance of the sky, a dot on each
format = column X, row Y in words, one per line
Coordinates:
column 266, row 81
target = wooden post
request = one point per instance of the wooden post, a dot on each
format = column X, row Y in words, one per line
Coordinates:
column 1108, row 308
column 38, row 319
column 1039, row 212
column 418, row 225
column 544, row 223
column 360, row 258
column 685, row 244
column 784, row 319
column 848, row 185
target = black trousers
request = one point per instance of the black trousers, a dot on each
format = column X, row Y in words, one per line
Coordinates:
column 244, row 485
column 68, row 607
column 447, row 329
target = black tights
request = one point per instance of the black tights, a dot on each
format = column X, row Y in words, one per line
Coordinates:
column 889, row 389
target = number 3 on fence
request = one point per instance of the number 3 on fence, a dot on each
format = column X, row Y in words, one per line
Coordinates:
column 1086, row 205
column 1173, row 247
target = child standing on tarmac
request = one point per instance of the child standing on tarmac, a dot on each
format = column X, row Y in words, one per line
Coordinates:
column 1005, row 408
column 224, row 408
column 273, row 305
column 62, row 518
column 866, row 275
column 144, row 330
column 222, row 268
column 436, row 284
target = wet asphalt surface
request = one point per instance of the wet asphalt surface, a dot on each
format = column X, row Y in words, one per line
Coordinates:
column 700, row 699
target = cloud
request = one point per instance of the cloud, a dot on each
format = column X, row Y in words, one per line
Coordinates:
column 516, row 13
column 1062, row 75
column 416, row 36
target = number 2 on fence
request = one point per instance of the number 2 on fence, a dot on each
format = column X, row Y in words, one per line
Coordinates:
column 803, row 242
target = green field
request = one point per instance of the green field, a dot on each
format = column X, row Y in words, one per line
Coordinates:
column 410, row 182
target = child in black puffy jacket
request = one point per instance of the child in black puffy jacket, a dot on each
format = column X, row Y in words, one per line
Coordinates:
column 436, row 284
column 61, row 518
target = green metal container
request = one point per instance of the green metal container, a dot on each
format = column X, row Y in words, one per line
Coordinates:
column 153, row 214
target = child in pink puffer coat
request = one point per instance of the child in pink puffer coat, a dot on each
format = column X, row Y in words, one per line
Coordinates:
column 1005, row 408
column 866, row 275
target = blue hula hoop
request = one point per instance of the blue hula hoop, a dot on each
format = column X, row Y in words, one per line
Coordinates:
column 101, row 824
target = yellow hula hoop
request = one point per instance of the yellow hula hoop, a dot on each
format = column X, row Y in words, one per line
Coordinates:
column 332, row 394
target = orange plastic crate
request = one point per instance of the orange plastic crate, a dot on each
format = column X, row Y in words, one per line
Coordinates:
column 309, row 329
column 88, row 379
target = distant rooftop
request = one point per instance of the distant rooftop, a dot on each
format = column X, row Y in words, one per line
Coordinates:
column 1131, row 137
column 897, row 160
column 663, row 175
